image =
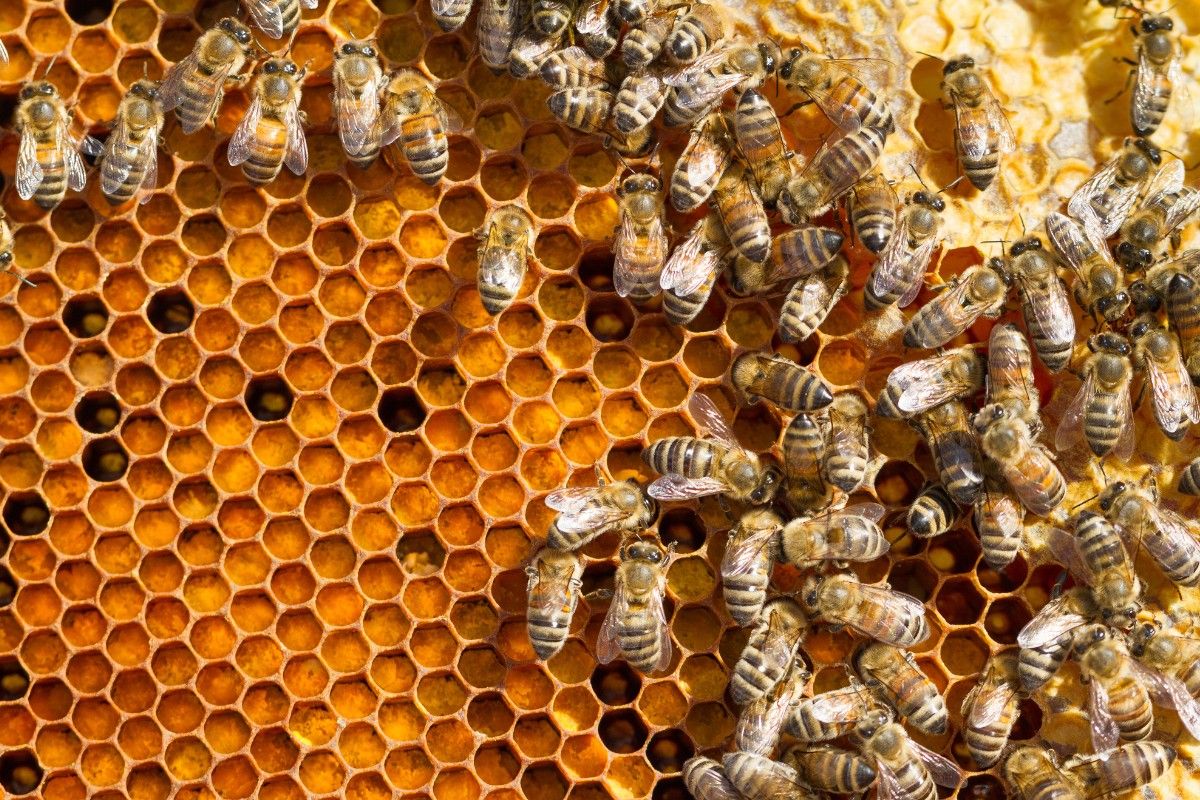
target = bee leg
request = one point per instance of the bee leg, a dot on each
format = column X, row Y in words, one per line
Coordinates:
column 796, row 107
column 1141, row 396
column 1128, row 81
column 724, row 504
column 599, row 475
column 599, row 594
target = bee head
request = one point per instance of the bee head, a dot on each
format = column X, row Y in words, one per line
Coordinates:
column 1133, row 257
column 1141, row 636
column 770, row 54
column 1109, row 342
column 638, row 182
column 1150, row 24
column 956, row 64
column 1148, row 147
column 1113, row 306
column 235, row 29
column 1109, row 496
column 6, row 257
column 767, row 486
column 1025, row 245
column 146, row 89
column 644, row 550
column 808, row 592
column 929, row 200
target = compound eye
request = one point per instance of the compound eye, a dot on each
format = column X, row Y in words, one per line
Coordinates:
column 347, row 49
column 47, row 89
column 289, row 69
column 939, row 204
column 271, row 67
column 243, row 37
column 369, row 52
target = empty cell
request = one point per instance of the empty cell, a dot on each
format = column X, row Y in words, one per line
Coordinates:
column 959, row 602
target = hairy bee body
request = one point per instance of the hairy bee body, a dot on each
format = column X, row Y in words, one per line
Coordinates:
column 1159, row 218
column 833, row 171
column 1102, row 406
column 586, row 513
column 642, row 45
column 357, row 78
column 758, row 777
column 803, row 447
column 1037, row 665
column 830, row 715
column 694, row 33
column 746, row 568
column 418, row 121
column 1165, row 535
column 878, row 738
column 638, row 102
column 999, row 520
column 841, row 96
column 872, row 210
column 982, row 133
column 1156, row 72
column 585, row 108
column 1102, row 659
column 194, row 87
column 507, row 243
column 48, row 161
column 1035, row 775
column 899, row 272
column 130, row 158
column 978, row 292
column 706, row 779
column 990, row 710
column 1044, row 304
column 640, row 244
column 811, row 299
column 783, row 382
column 1189, row 478
column 1026, row 466
column 830, row 769
column 1159, row 646
column 555, row 577
column 894, row 674
column 1127, row 767
column 760, row 140
column 635, row 627
column 740, row 208
column 1183, row 316
column 271, row 134
column 882, row 614
column 955, row 450
column 498, row 23
column 769, row 651
column 848, row 450
column 933, row 512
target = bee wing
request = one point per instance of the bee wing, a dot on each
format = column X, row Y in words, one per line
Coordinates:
column 1183, row 207
column 452, row 121
column 1065, row 548
column 659, row 615
column 607, row 646
column 888, row 787
column 356, row 120
column 871, row 511
column 29, row 170
column 440, row 8
column 76, row 169
column 711, row 420
column 150, row 154
column 779, row 645
column 943, row 771
column 1170, row 692
column 1167, row 180
column 924, row 395
column 900, row 264
column 624, row 247
column 1051, row 308
column 874, row 73
column 267, row 15
column 577, row 59
column 592, row 18
column 1070, row 429
column 1105, row 733
column 546, row 594
column 955, row 306
column 677, row 273
column 116, row 169
column 760, row 723
column 174, row 85
column 571, row 501
column 309, row 4
column 1144, row 88
column 708, row 160
column 239, row 143
column 892, row 600
column 1080, row 204
column 1124, row 446
column 988, row 704
column 707, row 61
column 1174, row 397
column 839, row 706
column 1004, row 362
column 297, row 146
column 1072, row 241
column 1006, row 141
column 742, row 558
column 677, row 487
column 712, row 784
column 1052, row 621
column 589, row 519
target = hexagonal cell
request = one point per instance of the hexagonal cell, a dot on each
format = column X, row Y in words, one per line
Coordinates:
column 959, row 602
column 1005, row 618
column 616, row 684
column 20, row 772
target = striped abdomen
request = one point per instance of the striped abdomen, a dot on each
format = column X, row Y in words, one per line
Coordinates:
column 914, row 781
column 638, row 101
column 857, row 104
column 1151, row 99
column 794, row 388
column 746, row 592
column 53, row 188
column 884, row 625
column 754, row 674
column 1036, row 666
column 424, row 143
column 684, row 455
column 745, row 220
column 917, row 698
column 268, row 145
column 1098, row 542
column 581, row 107
column 1189, row 673
column 681, row 310
column 197, row 106
column 956, row 456
column 999, row 521
column 810, row 300
column 831, row 769
column 364, row 156
column 1189, row 480
column 1036, row 481
column 853, row 154
column 987, row 742
column 757, row 129
column 289, row 11
column 759, row 776
column 973, row 126
column 1129, row 766
column 1183, row 315
column 1102, row 423
column 805, row 249
column 125, row 182
column 1177, row 556
column 1129, row 704
column 690, row 39
column 548, row 632
column 638, row 638
column 874, row 218
column 932, row 327
column 932, row 513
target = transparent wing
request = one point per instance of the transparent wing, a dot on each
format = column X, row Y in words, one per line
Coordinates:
column 572, row 500
column 174, row 85
column 712, row 784
column 267, row 15
column 677, row 487
column 955, row 305
column 29, row 171
column 1170, row 692
column 1065, row 548
column 576, row 59
column 677, row 272
column 712, row 422
column 440, row 8
column 943, row 771
column 897, row 602
column 840, row 706
column 989, row 704
column 1006, row 141
column 247, row 129
column 708, row 157
column 624, row 246
column 780, row 642
column 1105, row 733
column 297, row 146
column 592, row 18
column 901, row 265
column 1180, row 540
column 452, row 121
column 588, row 519
column 356, row 119
column 1069, row 239
column 1050, row 307
column 1174, row 397
column 607, row 647
column 1051, row 622
column 871, row 511
column 1143, row 92
column 309, row 4
column 150, row 154
column 761, row 722
column 1009, row 362
column 76, row 169
column 1167, row 180
column 1070, row 429
column 659, row 615
column 749, row 552
column 549, row 593
column 923, row 395
column 710, row 60
column 1184, row 206
column 1080, row 204
column 873, row 73
column 1124, row 446
column 888, row 787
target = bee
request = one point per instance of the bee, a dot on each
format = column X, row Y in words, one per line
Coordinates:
column 638, row 144
column 48, row 157
column 694, row 33
column 1047, row 639
column 551, row 18
column 1010, row 376
column 830, row 769
column 1158, row 70
column 420, row 122
column 640, row 245
column 586, row 513
column 982, row 134
column 894, row 674
column 874, row 611
column 585, row 108
column 740, row 208
column 769, row 652
column 785, row 383
column 701, row 164
column 694, row 467
column 1103, row 202
column 706, row 780
column 1183, row 315
column 272, row 132
column 450, row 14
column 897, row 275
column 1174, row 398
column 907, row 770
column 811, row 298
column 3, row 54
column 499, row 21
column 848, row 451
column 758, row 777
column 796, row 253
column 1096, row 555
column 1161, row 648
column 803, row 449
column 635, row 627
column 699, row 87
column 1166, row 207
column 1100, row 288
column 555, row 578
column 999, row 520
column 1101, row 411
column 632, row 12
column 832, row 172
column 916, row 387
column 6, row 251
column 1167, row 536
column 830, row 714
column 573, row 68
column 194, row 87
column 760, row 141
column 1119, row 703
column 933, row 512
column 872, row 211
column 598, row 29
column 638, row 101
column 643, row 44
column 989, row 710
column 1044, row 304
column 850, row 534
column 357, row 79
column 1189, row 478
column 837, row 90
column 1029, row 470
column 691, row 271
column 979, row 292
column 277, row 18
column 529, row 51
column 761, row 721
column 955, row 451
column 130, row 158
column 750, row 553
column 507, row 244
column 1036, row 775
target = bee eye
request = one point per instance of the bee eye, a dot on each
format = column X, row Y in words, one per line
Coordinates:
column 347, row 49
column 47, row 89
column 243, row 37
column 290, row 69
column 271, row 66
column 939, row 204
column 369, row 52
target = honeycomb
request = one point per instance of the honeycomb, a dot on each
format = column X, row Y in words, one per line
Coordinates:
column 270, row 472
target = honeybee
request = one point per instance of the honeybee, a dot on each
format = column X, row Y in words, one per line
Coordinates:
column 1189, row 478
column 697, row 259
column 507, row 244
column 894, row 674
column 1100, row 288
column 849, row 534
column 194, row 87
column 1183, row 315
column 598, row 29
column 897, row 275
column 955, row 452
column 638, row 101
column 918, row 386
column 682, row 309
column 837, row 90
column 758, row 777
column 1167, row 536
column 357, row 79
column 1101, row 411
column 740, row 208
column 1010, row 376
column 632, row 12
column 706, row 780
column 3, row 54
column 701, row 164
column 638, row 144
column 982, row 133
column 796, row 253
column 785, row 383
column 694, row 467
column 1159, row 217
column 1047, row 639
column 1035, row 774
column 811, row 298
column 585, row 108
column 803, row 449
column 830, row 714
column 499, row 21
column 701, row 85
column 830, row 769
column 1119, row 703
column 1044, row 304
column 529, row 51
column 762, row 719
column 694, row 33
column 586, row 513
column 872, row 211
column 981, row 291
column 642, row 45
column 635, row 627
column 1097, row 557
column 760, row 140
column 48, row 157
column 277, row 18
column 6, row 251
column 555, row 578
column 875, row 611
column 420, row 122
column 551, row 18
column 1103, row 202
column 832, row 172
column 933, row 512
column 572, row 67
column 1006, row 439
column 989, row 710
column 1174, row 398
column 640, row 245
column 999, row 520
column 130, row 158
column 750, row 553
column 770, row 650
column 450, row 14
column 272, row 132
column 847, row 454
column 1159, row 646
column 907, row 770
column 1158, row 71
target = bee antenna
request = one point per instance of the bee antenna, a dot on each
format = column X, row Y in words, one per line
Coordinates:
column 1057, row 590
column 20, row 277
column 951, row 184
column 1021, row 219
column 931, row 55
column 1085, row 501
column 919, row 178
column 50, row 65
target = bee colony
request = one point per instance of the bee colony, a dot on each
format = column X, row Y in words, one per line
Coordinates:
column 325, row 318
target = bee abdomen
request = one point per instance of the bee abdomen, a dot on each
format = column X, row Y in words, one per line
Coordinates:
column 987, row 742
column 915, row 782
column 1178, row 558
column 1189, row 480
column 1052, row 346
column 931, row 327
column 1000, row 546
column 933, row 512
column 682, row 455
column 1035, row 666
column 427, row 149
column 753, row 676
column 681, row 310
column 832, row 770
column 53, row 188
column 193, row 112
column 637, row 636
column 1147, row 117
column 290, row 12
column 874, row 226
column 957, row 461
column 745, row 595
column 1101, row 423
column 688, row 40
column 846, row 470
column 982, row 171
column 638, row 102
column 926, row 711
column 548, row 635
column 1131, row 710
